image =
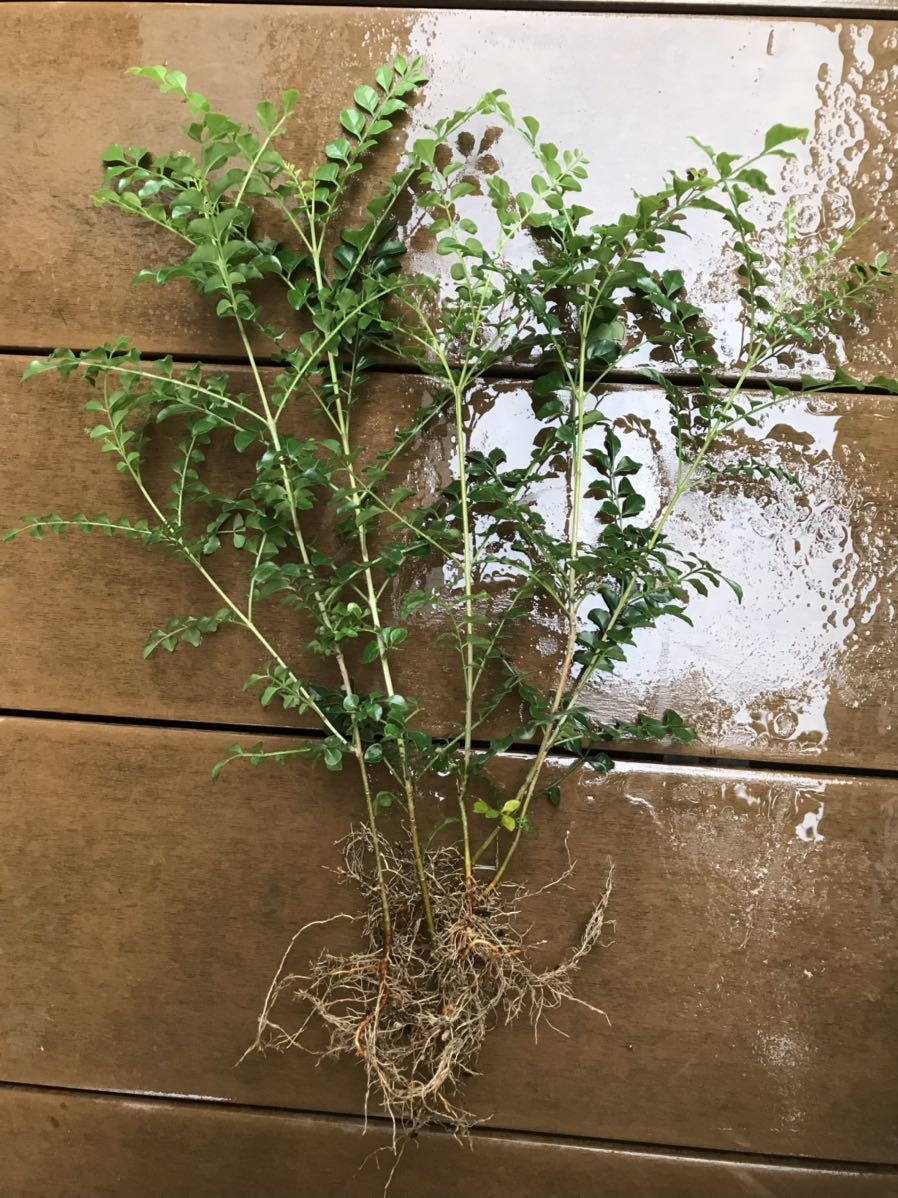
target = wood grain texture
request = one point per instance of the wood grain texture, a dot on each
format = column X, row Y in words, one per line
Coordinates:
column 804, row 670
column 663, row 77
column 750, row 978
column 67, row 1145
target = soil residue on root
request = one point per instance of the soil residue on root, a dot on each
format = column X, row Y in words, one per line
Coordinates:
column 416, row 1013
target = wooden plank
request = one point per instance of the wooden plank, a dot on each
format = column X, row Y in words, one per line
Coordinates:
column 804, row 670
column 69, row 267
column 812, row 8
column 59, row 1144
column 825, row 8
column 750, row 984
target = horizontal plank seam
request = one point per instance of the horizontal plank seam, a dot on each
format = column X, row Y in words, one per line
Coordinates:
column 511, row 372
column 621, row 7
column 518, row 749
column 647, row 1148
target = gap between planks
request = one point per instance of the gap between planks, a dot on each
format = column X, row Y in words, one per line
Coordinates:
column 825, row 10
column 682, row 1151
column 619, row 755
column 512, row 372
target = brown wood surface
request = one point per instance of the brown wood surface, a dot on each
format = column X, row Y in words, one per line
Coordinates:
column 750, row 974
column 628, row 89
column 63, row 1145
column 804, row 670
column 749, row 977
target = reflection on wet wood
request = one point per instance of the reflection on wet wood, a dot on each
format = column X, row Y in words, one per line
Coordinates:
column 804, row 670
column 750, row 978
column 69, row 267
column 57, row 1144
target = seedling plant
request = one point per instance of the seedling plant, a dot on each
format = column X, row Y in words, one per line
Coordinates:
column 325, row 526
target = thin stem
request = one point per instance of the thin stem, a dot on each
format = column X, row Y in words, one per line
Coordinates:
column 342, row 424
column 263, row 146
column 550, row 737
column 486, row 844
column 375, row 838
column 182, row 481
column 457, row 386
column 252, row 582
column 358, row 748
column 468, row 661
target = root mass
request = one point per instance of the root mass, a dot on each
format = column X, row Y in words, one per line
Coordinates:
column 416, row 1011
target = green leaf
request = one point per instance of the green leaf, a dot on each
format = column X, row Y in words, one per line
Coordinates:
column 483, row 808
column 340, row 150
column 267, row 114
column 548, row 384
column 38, row 366
column 231, row 754
column 371, row 652
column 531, row 124
column 612, row 330
column 735, row 588
column 425, row 148
column 755, row 179
column 333, row 758
column 352, row 121
column 778, row 135
column 366, row 97
column 413, row 601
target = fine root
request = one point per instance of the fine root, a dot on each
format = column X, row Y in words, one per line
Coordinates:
column 416, row 1012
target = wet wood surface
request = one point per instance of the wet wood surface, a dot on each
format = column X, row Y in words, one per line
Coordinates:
column 63, row 1145
column 749, row 970
column 749, row 976
column 69, row 267
column 803, row 670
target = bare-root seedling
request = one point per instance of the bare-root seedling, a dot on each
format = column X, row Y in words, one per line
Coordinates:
column 338, row 531
column 416, row 1012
